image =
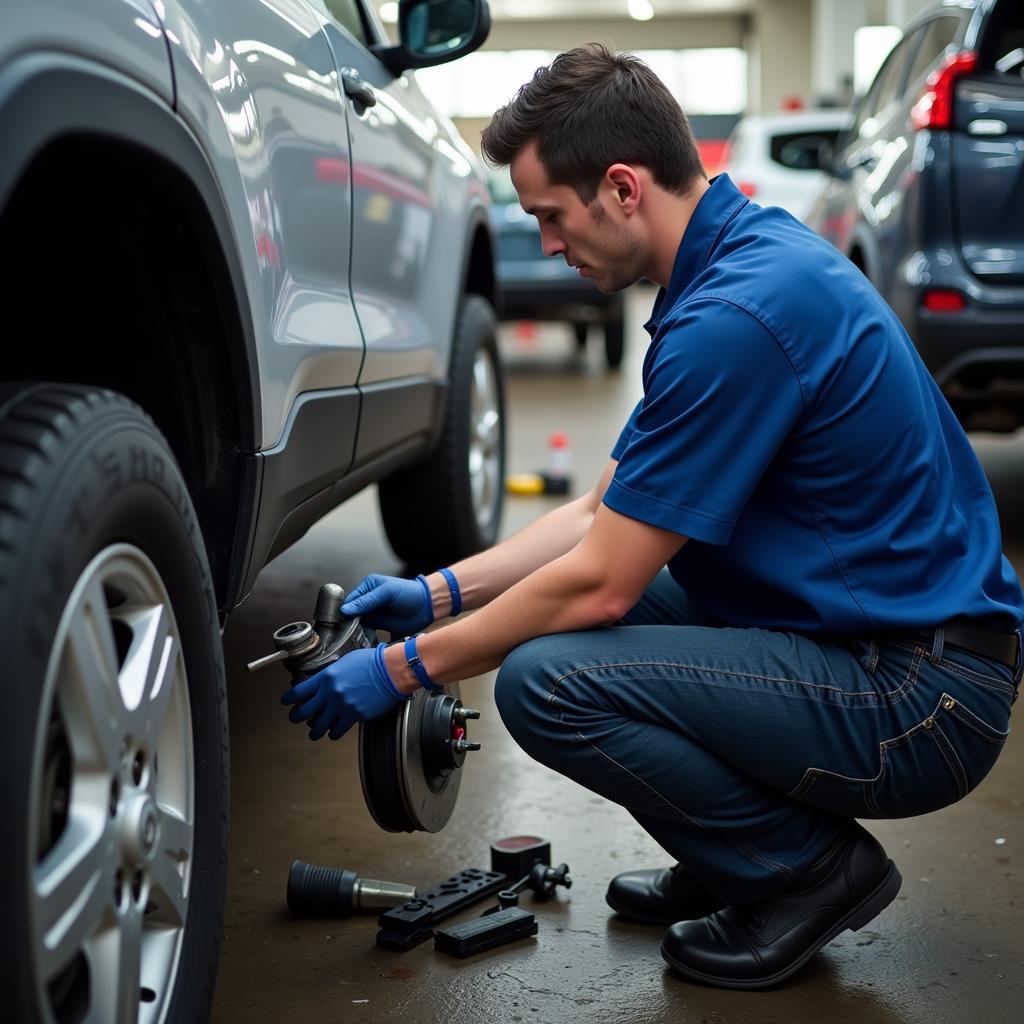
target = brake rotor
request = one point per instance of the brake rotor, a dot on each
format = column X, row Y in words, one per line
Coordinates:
column 410, row 761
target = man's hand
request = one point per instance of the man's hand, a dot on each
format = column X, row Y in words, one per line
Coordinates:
column 401, row 607
column 354, row 689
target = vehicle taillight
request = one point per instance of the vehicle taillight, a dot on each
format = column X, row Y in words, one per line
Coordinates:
column 943, row 300
column 934, row 107
column 748, row 188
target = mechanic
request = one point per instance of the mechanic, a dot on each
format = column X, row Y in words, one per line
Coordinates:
column 836, row 634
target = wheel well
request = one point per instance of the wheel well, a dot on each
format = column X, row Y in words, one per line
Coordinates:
column 115, row 278
column 480, row 269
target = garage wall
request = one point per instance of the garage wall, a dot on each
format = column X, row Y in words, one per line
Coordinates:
column 779, row 54
column 622, row 33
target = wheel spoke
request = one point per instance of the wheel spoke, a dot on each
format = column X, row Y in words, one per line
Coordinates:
column 73, row 887
column 488, row 429
column 88, row 684
column 147, row 675
column 482, row 379
column 115, row 962
column 174, row 850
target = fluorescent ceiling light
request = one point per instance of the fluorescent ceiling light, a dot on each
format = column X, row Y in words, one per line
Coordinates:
column 640, row 10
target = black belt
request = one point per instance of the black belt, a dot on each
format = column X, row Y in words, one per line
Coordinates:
column 968, row 636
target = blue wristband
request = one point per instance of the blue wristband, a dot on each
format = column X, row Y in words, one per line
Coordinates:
column 413, row 660
column 453, row 586
column 422, row 581
column 378, row 660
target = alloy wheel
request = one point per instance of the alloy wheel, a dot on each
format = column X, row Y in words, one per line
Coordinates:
column 113, row 792
column 485, row 439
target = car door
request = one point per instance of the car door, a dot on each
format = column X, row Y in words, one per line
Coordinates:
column 256, row 81
column 403, row 234
column 878, row 156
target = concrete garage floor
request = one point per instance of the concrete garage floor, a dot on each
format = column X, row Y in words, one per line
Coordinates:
column 950, row 949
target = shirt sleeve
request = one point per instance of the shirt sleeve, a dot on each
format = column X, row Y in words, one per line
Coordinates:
column 627, row 433
column 720, row 398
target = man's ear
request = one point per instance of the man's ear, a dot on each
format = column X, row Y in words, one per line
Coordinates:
column 625, row 185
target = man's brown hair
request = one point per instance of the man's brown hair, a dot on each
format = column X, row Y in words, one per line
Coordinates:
column 589, row 109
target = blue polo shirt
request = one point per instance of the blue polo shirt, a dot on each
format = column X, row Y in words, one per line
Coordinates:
column 790, row 430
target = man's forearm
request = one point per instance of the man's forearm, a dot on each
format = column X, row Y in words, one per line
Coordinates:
column 566, row 594
column 585, row 588
column 484, row 576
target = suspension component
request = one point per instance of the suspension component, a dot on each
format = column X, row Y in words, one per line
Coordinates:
column 410, row 759
column 307, row 648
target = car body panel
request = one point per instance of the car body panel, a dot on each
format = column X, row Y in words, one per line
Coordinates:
column 415, row 188
column 257, row 83
column 988, row 170
column 122, row 34
column 314, row 177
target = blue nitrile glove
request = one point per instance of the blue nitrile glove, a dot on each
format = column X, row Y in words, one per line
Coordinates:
column 399, row 606
column 354, row 689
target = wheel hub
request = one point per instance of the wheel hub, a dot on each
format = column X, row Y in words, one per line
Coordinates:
column 140, row 832
column 410, row 761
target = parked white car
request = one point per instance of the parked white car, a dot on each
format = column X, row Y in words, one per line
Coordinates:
column 778, row 160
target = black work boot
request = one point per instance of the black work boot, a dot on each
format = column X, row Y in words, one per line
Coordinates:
column 660, row 896
column 754, row 945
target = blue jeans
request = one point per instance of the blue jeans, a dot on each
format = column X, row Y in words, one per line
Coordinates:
column 743, row 751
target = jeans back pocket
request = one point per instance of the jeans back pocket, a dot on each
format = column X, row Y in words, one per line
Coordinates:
column 933, row 764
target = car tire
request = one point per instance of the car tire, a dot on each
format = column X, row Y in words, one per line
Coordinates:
column 449, row 505
column 115, row 796
column 615, row 341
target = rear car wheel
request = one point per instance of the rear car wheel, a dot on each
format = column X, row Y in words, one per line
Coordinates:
column 115, row 733
column 449, row 506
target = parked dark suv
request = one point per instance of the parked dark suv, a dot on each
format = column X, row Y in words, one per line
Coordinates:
column 533, row 286
column 927, row 197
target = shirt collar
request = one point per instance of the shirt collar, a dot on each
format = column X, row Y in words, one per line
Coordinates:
column 713, row 210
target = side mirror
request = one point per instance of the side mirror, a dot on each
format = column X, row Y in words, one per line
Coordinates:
column 435, row 32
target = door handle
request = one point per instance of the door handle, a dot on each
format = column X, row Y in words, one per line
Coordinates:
column 358, row 90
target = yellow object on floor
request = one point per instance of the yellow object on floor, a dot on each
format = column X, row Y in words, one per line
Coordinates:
column 524, row 483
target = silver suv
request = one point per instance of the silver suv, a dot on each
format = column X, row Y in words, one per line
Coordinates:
column 247, row 271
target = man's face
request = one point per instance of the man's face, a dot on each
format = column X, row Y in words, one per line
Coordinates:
column 587, row 236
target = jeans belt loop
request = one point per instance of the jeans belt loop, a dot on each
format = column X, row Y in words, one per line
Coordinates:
column 937, row 644
column 874, row 653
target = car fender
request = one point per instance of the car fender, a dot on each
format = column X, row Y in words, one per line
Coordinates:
column 45, row 97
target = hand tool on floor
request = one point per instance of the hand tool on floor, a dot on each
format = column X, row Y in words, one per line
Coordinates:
column 413, row 922
column 541, row 879
column 316, row 891
column 516, row 855
column 482, row 933
column 410, row 760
